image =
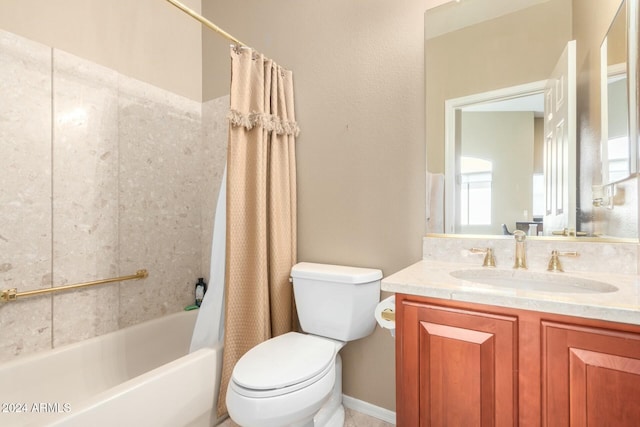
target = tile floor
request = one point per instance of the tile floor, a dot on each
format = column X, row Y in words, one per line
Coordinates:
column 352, row 419
column 357, row 419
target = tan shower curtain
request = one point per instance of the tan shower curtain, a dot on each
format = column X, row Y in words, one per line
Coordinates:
column 261, row 207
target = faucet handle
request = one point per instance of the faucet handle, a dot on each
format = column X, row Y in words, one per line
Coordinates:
column 489, row 259
column 554, row 262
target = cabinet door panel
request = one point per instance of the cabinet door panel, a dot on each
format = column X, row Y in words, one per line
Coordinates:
column 457, row 370
column 597, row 383
column 590, row 376
column 459, row 367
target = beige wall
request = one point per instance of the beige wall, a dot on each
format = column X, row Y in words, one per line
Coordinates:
column 538, row 145
column 149, row 40
column 359, row 82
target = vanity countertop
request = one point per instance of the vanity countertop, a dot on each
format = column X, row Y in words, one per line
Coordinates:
column 430, row 278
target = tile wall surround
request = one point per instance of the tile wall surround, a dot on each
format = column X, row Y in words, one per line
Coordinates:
column 600, row 257
column 25, row 230
column 84, row 196
column 101, row 175
column 214, row 128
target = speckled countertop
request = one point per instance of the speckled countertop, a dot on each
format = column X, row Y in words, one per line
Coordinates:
column 432, row 278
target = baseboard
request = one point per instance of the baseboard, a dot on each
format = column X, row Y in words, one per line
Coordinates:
column 369, row 409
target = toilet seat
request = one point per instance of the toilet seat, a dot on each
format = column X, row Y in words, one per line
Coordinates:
column 283, row 365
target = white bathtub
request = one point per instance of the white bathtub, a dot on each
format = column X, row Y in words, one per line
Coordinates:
column 137, row 376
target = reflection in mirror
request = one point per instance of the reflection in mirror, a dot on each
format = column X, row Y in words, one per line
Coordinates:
column 465, row 57
column 618, row 156
column 473, row 59
column 495, row 161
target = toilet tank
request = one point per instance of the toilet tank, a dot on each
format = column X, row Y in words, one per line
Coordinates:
column 336, row 301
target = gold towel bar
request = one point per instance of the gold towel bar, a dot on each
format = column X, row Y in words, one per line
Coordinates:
column 13, row 294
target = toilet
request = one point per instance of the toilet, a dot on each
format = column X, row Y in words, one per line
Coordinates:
column 295, row 379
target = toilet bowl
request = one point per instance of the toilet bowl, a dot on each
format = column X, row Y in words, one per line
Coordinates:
column 283, row 381
column 295, row 379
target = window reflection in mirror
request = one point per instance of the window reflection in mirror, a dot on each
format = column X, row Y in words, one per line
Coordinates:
column 475, row 191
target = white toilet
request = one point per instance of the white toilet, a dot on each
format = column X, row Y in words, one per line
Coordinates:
column 295, row 379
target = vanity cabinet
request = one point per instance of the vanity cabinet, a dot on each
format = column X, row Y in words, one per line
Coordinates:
column 457, row 366
column 591, row 376
column 463, row 364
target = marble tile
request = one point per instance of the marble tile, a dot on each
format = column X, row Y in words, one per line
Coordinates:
column 26, row 327
column 159, row 194
column 215, row 131
column 597, row 257
column 610, row 262
column 25, row 199
column 357, row 419
column 431, row 278
column 85, row 197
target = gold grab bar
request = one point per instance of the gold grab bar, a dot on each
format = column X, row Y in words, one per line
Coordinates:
column 7, row 295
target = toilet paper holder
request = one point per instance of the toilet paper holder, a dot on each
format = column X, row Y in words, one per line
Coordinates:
column 388, row 314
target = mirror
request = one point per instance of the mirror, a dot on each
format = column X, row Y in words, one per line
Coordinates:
column 495, row 51
column 618, row 155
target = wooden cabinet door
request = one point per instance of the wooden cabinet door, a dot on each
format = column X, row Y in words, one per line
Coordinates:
column 458, row 367
column 591, row 376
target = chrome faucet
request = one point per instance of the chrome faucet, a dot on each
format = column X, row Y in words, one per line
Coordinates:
column 521, row 253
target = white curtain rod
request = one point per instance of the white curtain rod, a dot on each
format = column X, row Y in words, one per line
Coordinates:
column 205, row 22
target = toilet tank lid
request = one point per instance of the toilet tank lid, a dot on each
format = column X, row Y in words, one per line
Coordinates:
column 335, row 273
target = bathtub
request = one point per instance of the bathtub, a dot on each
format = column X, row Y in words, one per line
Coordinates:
column 142, row 376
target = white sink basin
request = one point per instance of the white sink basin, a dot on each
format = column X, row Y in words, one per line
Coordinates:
column 543, row 282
